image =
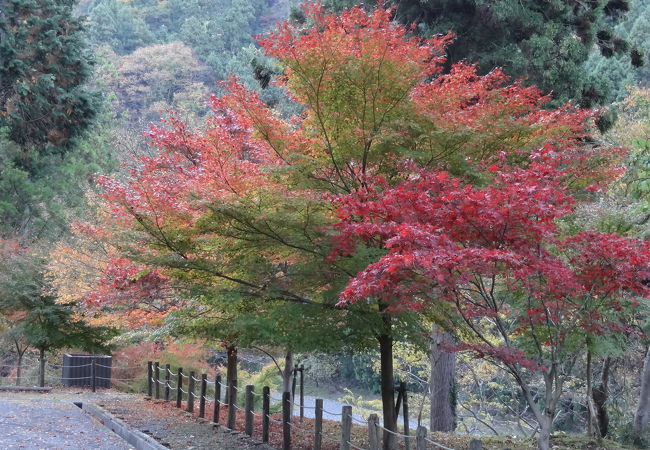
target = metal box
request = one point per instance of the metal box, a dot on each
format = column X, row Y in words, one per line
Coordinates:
column 77, row 370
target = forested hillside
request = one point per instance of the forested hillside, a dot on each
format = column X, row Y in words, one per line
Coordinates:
column 156, row 56
column 448, row 194
column 617, row 72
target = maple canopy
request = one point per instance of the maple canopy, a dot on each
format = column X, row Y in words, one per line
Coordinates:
column 254, row 189
column 495, row 252
column 421, row 181
column 515, row 287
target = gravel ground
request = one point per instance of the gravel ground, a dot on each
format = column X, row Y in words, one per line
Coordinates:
column 52, row 421
column 173, row 427
column 41, row 421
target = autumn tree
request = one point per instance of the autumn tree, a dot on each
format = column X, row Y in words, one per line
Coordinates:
column 45, row 324
column 518, row 290
column 245, row 206
column 625, row 209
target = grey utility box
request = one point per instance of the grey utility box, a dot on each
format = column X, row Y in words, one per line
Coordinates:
column 77, row 370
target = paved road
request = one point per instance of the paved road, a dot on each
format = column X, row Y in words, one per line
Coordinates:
column 38, row 422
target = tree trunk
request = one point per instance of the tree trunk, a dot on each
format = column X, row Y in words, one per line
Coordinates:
column 441, row 384
column 231, row 368
column 20, row 369
column 387, row 384
column 641, row 417
column 544, row 437
column 592, row 416
column 286, row 376
column 288, row 370
column 41, row 373
column 600, row 395
column 552, row 393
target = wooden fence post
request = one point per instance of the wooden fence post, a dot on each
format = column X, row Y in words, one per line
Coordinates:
column 266, row 411
column 232, row 404
column 156, row 376
column 93, row 377
column 217, row 399
column 373, row 432
column 286, row 420
column 204, row 388
column 179, row 387
column 167, row 380
column 405, row 414
column 248, row 428
column 318, row 425
column 420, row 438
column 346, row 427
column 149, row 379
column 302, row 392
column 190, row 393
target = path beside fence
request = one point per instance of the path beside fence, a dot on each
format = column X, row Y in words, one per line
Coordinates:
column 41, row 421
column 273, row 418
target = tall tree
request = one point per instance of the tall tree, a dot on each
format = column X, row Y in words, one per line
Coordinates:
column 518, row 290
column 246, row 204
column 547, row 43
column 44, row 65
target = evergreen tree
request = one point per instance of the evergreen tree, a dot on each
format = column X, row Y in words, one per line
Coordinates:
column 43, row 67
column 118, row 26
column 37, row 198
column 547, row 43
column 620, row 72
column 46, row 111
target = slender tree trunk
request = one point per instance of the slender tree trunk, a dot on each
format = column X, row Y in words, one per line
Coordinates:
column 441, row 384
column 642, row 412
column 387, row 384
column 41, row 374
column 545, row 426
column 288, row 370
column 545, row 417
column 600, row 395
column 286, row 376
column 20, row 369
column 231, row 368
column 592, row 416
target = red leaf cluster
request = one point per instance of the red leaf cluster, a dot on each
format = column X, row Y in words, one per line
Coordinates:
column 493, row 252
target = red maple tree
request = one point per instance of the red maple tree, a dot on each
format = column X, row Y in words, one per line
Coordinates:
column 516, row 289
column 246, row 203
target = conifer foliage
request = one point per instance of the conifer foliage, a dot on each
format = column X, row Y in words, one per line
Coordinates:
column 546, row 42
column 43, row 67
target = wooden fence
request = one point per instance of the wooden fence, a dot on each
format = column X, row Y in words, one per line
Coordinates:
column 212, row 399
column 168, row 385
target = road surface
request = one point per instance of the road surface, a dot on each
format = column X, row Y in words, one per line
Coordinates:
column 40, row 422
